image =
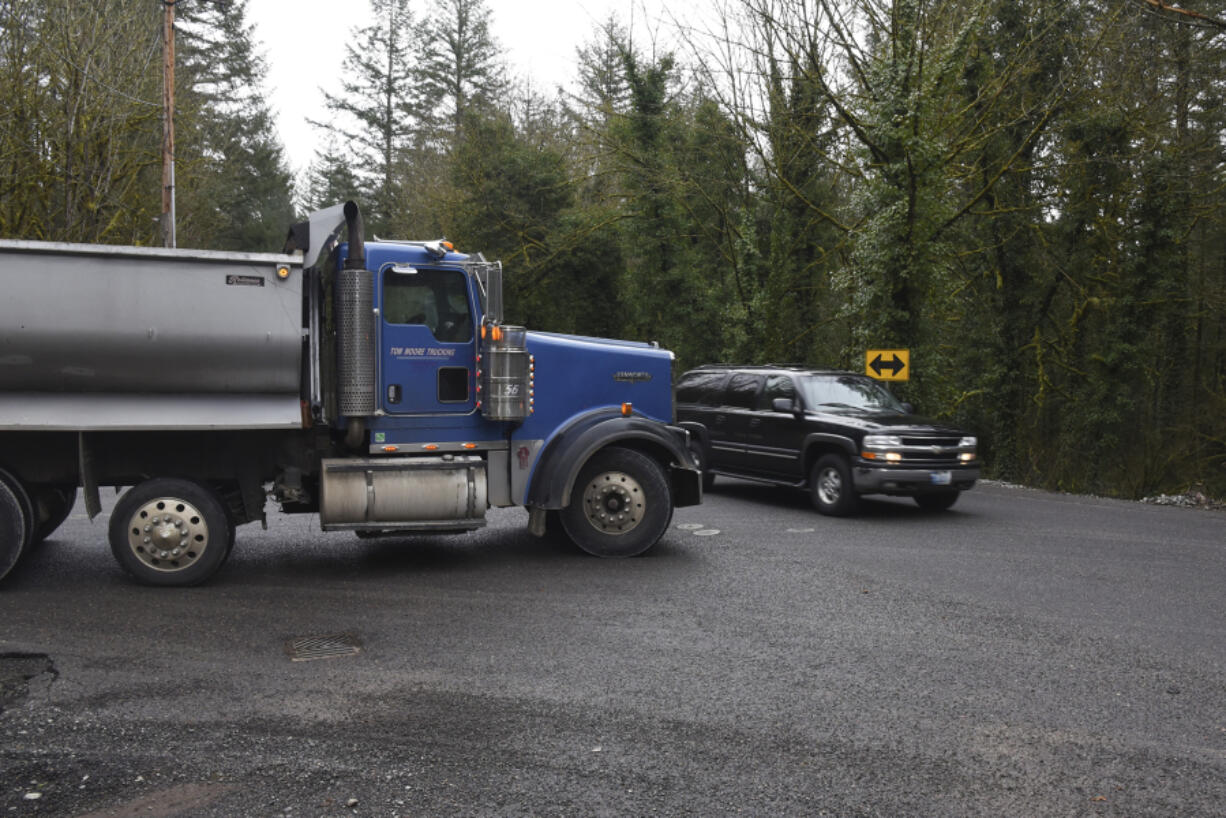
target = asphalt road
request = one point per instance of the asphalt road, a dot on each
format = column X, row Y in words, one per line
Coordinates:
column 1024, row 654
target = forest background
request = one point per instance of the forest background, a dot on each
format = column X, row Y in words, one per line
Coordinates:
column 1030, row 196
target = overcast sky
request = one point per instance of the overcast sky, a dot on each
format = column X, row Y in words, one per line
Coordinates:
column 539, row 37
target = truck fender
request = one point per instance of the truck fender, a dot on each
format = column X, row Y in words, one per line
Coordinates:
column 570, row 448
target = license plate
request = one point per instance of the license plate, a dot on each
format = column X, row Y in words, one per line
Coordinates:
column 940, row 478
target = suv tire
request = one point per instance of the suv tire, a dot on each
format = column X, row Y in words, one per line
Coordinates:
column 831, row 488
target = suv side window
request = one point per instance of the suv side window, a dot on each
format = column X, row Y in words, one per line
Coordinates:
column 742, row 389
column 777, row 386
column 701, row 387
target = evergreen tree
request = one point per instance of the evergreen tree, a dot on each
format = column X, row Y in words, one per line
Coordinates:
column 331, row 180
column 235, row 191
column 375, row 112
column 459, row 70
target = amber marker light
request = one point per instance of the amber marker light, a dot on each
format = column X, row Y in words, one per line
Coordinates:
column 431, row 447
column 391, row 448
column 470, row 445
column 282, row 272
column 627, row 408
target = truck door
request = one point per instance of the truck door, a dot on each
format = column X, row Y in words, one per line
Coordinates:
column 427, row 344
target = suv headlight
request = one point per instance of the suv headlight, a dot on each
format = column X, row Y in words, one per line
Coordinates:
column 874, row 447
column 967, row 444
column 883, row 441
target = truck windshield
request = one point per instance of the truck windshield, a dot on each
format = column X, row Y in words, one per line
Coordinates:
column 847, row 393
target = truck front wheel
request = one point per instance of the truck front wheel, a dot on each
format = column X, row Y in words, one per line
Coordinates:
column 168, row 531
column 620, row 504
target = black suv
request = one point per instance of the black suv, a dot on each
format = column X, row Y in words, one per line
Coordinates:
column 838, row 434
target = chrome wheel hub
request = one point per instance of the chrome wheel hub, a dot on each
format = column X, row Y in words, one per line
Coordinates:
column 168, row 534
column 829, row 486
column 613, row 502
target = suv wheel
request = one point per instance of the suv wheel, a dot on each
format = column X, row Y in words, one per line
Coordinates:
column 831, row 488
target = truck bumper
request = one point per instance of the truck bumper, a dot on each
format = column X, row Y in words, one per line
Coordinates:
column 686, row 485
column 878, row 480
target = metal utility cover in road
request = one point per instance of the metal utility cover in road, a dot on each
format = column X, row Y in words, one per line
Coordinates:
column 888, row 364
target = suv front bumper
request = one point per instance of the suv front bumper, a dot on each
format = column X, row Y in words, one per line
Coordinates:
column 876, row 479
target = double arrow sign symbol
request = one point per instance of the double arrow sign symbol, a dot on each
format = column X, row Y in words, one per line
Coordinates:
column 888, row 364
column 894, row 365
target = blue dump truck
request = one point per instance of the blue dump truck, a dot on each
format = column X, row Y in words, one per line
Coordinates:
column 372, row 383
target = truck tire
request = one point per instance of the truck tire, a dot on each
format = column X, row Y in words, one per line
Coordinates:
column 831, row 488
column 26, row 505
column 620, row 504
column 13, row 528
column 937, row 500
column 168, row 531
column 52, row 505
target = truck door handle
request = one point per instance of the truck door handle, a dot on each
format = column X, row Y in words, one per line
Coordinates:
column 394, row 391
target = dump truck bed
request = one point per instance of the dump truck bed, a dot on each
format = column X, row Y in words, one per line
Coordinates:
column 95, row 337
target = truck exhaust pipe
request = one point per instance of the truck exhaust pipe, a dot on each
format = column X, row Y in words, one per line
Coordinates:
column 357, row 237
column 355, row 332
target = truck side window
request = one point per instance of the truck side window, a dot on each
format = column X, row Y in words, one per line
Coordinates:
column 436, row 298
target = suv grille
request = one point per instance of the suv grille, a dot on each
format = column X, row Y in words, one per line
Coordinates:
column 951, row 442
column 930, row 451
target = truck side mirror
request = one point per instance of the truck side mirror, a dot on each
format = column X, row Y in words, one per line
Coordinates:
column 908, row 408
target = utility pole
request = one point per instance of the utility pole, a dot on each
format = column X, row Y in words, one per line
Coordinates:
column 168, row 123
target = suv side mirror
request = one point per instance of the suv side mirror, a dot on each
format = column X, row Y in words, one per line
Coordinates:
column 908, row 408
column 788, row 405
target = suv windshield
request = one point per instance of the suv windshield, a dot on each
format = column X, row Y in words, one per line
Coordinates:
column 847, row 393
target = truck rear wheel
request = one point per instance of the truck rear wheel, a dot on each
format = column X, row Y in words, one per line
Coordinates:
column 14, row 525
column 168, row 531
column 620, row 504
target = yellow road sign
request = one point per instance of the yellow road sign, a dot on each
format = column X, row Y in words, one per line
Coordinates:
column 888, row 364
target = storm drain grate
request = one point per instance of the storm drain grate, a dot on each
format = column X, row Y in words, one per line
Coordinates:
column 307, row 648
